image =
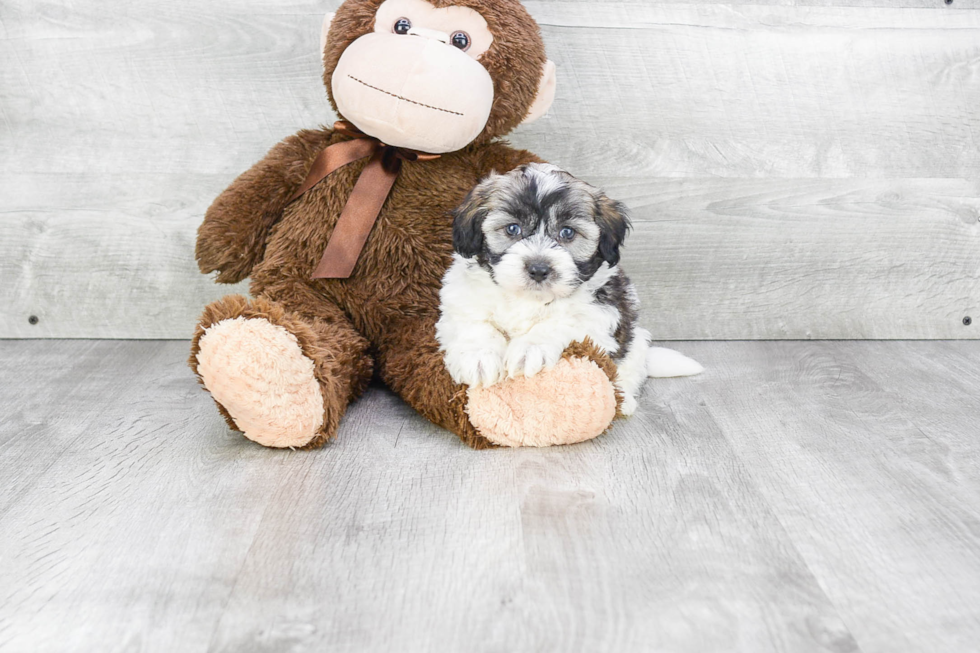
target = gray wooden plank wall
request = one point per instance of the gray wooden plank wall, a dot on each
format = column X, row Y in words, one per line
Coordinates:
column 797, row 170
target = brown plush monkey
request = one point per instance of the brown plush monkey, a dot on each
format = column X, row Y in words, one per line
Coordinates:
column 440, row 77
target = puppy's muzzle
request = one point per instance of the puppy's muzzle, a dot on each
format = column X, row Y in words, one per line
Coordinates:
column 538, row 271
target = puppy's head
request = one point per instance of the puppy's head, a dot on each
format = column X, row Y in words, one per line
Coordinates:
column 538, row 229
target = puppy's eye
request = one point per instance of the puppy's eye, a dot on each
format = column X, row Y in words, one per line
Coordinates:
column 514, row 230
column 567, row 233
column 461, row 40
column 402, row 25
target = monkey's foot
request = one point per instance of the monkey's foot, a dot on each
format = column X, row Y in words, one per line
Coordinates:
column 573, row 402
column 258, row 373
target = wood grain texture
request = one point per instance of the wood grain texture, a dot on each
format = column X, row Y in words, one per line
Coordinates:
column 869, row 454
column 714, row 259
column 86, row 268
column 713, row 90
column 126, row 529
column 797, row 497
column 120, row 122
column 651, row 540
column 885, row 4
column 649, row 88
column 829, row 259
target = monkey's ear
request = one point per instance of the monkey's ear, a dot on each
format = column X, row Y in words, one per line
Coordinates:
column 613, row 220
column 327, row 20
column 546, row 93
column 468, row 222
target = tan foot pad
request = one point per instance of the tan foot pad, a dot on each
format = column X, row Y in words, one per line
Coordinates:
column 573, row 402
column 258, row 372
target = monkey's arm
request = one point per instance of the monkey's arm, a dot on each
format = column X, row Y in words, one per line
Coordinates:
column 232, row 238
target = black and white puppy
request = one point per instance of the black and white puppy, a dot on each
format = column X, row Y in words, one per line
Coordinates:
column 537, row 268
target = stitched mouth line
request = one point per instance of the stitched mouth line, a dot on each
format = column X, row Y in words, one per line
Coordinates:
column 381, row 90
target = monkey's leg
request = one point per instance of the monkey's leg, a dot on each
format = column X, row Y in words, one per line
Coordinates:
column 282, row 377
column 573, row 402
column 410, row 363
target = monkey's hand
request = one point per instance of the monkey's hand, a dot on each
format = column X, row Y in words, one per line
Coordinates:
column 231, row 241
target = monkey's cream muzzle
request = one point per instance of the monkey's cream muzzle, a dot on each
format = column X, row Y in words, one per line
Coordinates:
column 413, row 91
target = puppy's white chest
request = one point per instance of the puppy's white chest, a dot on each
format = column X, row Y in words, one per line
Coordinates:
column 514, row 316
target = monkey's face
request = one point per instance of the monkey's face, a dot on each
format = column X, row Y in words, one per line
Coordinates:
column 415, row 81
column 423, row 77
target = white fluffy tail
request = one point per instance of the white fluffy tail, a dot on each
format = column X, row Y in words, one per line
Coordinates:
column 665, row 363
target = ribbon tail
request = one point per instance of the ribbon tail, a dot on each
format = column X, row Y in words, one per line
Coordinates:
column 357, row 219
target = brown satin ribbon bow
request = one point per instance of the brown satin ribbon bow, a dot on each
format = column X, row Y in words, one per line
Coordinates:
column 365, row 201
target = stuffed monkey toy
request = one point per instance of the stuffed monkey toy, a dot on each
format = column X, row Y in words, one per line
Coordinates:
column 346, row 233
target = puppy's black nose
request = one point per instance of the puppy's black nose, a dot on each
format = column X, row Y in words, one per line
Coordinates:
column 538, row 271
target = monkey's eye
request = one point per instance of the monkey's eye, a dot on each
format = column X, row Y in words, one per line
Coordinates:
column 514, row 230
column 567, row 233
column 402, row 25
column 461, row 40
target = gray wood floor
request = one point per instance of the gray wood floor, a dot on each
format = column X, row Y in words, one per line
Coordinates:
column 799, row 496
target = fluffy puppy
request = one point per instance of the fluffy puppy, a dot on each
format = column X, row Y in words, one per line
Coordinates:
column 537, row 268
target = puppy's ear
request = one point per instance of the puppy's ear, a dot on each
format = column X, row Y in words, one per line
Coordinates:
column 468, row 221
column 613, row 220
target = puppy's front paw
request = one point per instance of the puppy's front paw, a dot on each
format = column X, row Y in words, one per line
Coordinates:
column 476, row 367
column 526, row 357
